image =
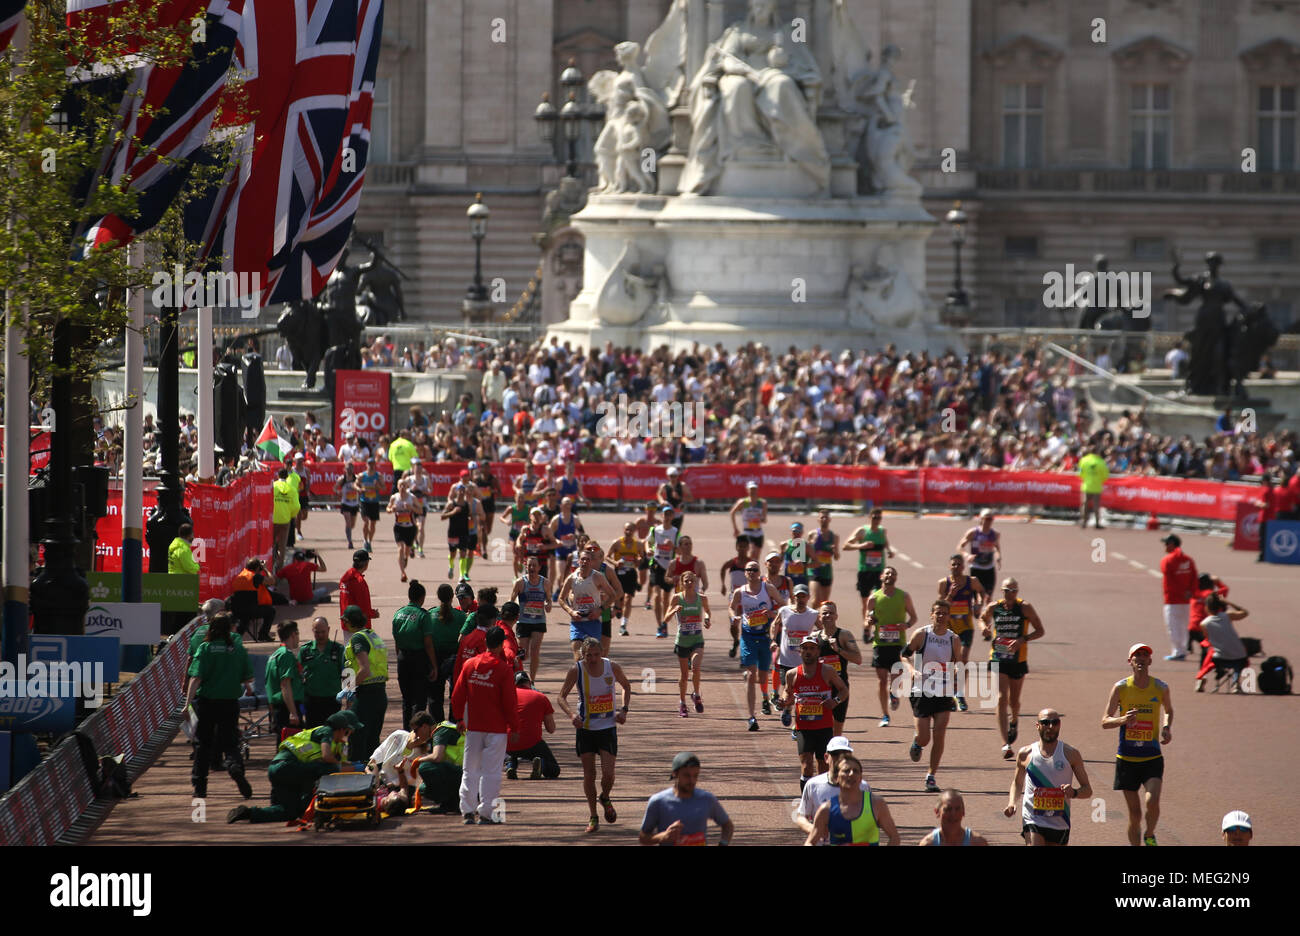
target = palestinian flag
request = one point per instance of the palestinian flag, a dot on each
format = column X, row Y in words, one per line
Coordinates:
column 271, row 443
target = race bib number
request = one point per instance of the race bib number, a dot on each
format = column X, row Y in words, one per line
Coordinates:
column 600, row 705
column 689, row 625
column 1049, row 800
column 534, row 609
column 959, row 609
column 796, row 638
column 568, row 540
column 835, row 662
column 808, row 708
column 1142, row 731
column 586, row 604
column 890, row 634
column 696, row 838
column 371, row 491
column 757, row 619
column 1003, row 648
column 874, row 556
column 795, row 568
column 822, row 557
column 404, row 518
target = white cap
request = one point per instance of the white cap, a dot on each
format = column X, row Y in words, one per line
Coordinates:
column 473, row 466
column 840, row 743
column 985, row 513
column 672, row 472
column 752, row 486
column 1237, row 819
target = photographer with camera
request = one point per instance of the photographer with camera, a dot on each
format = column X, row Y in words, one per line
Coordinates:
column 298, row 574
column 252, row 600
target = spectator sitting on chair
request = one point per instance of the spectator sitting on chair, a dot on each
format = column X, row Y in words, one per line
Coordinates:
column 253, row 580
column 298, row 574
column 525, row 742
column 1229, row 652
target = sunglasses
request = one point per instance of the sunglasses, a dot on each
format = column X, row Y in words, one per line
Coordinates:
column 1049, row 721
column 751, row 571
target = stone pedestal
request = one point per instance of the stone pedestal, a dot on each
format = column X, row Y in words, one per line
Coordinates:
column 474, row 311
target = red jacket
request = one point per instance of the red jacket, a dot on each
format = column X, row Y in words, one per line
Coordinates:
column 1178, row 575
column 353, row 590
column 475, row 642
column 484, row 697
column 1198, row 611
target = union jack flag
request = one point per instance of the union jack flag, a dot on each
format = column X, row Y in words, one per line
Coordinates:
column 166, row 114
column 286, row 211
column 11, row 14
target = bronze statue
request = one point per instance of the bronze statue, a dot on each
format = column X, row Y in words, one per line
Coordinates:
column 326, row 330
column 1221, row 352
column 379, row 289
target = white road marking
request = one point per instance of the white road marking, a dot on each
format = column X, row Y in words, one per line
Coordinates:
column 906, row 558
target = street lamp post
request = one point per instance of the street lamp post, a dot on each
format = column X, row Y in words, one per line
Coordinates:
column 958, row 303
column 476, row 306
column 571, row 115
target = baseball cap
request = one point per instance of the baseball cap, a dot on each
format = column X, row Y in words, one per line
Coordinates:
column 801, row 589
column 752, row 486
column 521, row 679
column 1237, row 819
column 465, row 588
column 796, row 525
column 361, row 554
column 341, row 720
column 1136, row 647
column 839, row 743
column 464, row 475
column 688, row 759
column 1172, row 540
column 667, row 508
column 354, row 615
column 809, row 639
column 772, row 555
column 473, row 466
column 985, row 513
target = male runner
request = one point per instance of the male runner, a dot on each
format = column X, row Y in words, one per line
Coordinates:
column 753, row 512
column 793, row 624
column 458, row 515
column 838, row 649
column 814, row 691
column 784, row 586
column 1004, row 622
column 985, row 550
column 821, row 788
column 644, row 524
column 489, row 488
column 691, row 608
column 403, row 507
column 565, row 528
column 606, row 571
column 370, row 480
column 662, row 543
column 535, row 540
column 582, row 596
column 676, row 495
column 517, row 516
column 680, row 814
column 754, row 605
column 531, row 594
column 873, row 547
column 853, row 816
column 890, row 614
column 823, row 550
column 1138, row 706
column 684, row 562
column 732, row 575
column 596, row 721
column 626, row 553
column 966, row 597
column 939, row 648
column 794, row 554
column 1050, row 766
column 349, row 492
column 420, row 491
column 569, row 486
column 951, row 812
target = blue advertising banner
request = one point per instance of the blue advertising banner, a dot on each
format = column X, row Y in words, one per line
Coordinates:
column 1283, row 542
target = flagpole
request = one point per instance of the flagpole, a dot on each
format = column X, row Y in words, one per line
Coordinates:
column 207, row 456
column 17, row 555
column 133, row 444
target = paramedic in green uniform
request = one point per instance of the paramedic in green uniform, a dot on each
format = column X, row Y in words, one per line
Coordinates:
column 284, row 681
column 441, row 770
column 322, row 673
column 302, row 760
column 367, row 657
column 219, row 666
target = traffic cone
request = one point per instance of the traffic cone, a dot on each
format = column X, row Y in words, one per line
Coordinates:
column 1153, row 522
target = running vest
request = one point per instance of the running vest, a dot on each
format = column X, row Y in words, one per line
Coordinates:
column 585, row 596
column 796, row 559
column 625, row 554
column 456, row 752
column 1008, row 627
column 935, row 652
column 891, row 614
column 828, row 657
column 665, row 543
column 755, row 613
column 518, row 517
column 419, row 489
column 959, row 605
column 938, row 836
column 736, row 576
column 567, row 533
column 1142, row 742
column 674, row 494
column 752, row 515
column 377, row 654
column 568, row 488
column 981, row 547
column 596, row 697
column 690, row 622
column 872, row 557
column 404, row 511
column 350, row 495
column 784, row 586
column 860, row 831
column 307, row 751
column 534, row 542
column 532, row 601
column 1044, row 803
column 678, row 568
column 794, row 628
column 823, row 550
column 370, row 486
column 812, row 696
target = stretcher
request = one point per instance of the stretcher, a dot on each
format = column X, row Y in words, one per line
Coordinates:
column 344, row 799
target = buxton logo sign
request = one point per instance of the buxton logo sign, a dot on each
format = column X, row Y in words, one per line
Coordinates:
column 103, row 622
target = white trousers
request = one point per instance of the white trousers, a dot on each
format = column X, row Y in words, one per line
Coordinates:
column 480, row 783
column 1176, row 621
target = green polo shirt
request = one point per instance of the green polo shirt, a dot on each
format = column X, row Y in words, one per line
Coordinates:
column 223, row 668
column 411, row 624
column 446, row 632
column 322, row 669
column 283, row 665
column 201, row 635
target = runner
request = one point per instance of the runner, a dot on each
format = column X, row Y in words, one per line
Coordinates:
column 822, row 787
column 420, row 482
column 1136, row 706
column 582, row 596
column 349, row 491
column 676, row 495
column 457, row 514
column 403, row 507
column 951, row 812
column 662, row 539
column 370, row 480
column 1004, row 622
column 733, row 577
column 565, row 528
column 627, row 554
column 753, row 512
column 605, row 569
column 489, row 489
column 985, row 550
column 853, row 816
column 570, row 487
column 596, row 721
column 823, row 550
column 534, row 603
column 516, row 515
column 784, row 586
column 813, row 690
column 476, row 537
column 644, row 524
column 966, row 597
column 1051, row 766
column 872, row 546
column 794, row 554
column 691, row 609
column 755, row 605
column 535, row 540
column 526, row 483
column 793, row 624
column 680, row 814
column 837, row 649
column 890, row 614
column 939, row 648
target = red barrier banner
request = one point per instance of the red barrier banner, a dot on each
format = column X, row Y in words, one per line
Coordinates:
column 1246, row 535
column 231, row 525
column 108, row 534
column 361, row 403
column 38, row 449
column 1182, row 497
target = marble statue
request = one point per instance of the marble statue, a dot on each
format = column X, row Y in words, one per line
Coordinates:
column 883, row 294
column 755, row 98
column 883, row 146
column 636, row 115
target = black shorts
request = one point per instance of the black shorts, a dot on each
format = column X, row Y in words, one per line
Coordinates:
column 813, row 740
column 686, row 652
column 1012, row 669
column 456, row 539
column 404, row 534
column 657, row 579
column 1130, row 775
column 754, row 538
column 490, row 506
column 370, row 510
column 868, row 581
column 841, row 712
column 606, row 625
column 594, row 742
column 886, row 657
column 628, row 579
column 987, row 578
column 823, row 575
column 1055, row 836
column 470, row 543
column 304, row 502
column 678, row 517
column 527, row 629
column 929, row 706
column 353, row 509
column 645, row 563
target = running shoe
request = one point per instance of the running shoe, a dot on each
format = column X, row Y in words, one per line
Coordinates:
column 419, row 551
column 961, row 704
column 593, row 824
column 366, row 546
column 681, row 710
column 556, row 596
column 699, row 705
column 914, row 751
column 349, row 544
column 1200, row 684
column 753, row 723
column 403, row 576
column 735, row 645
column 647, row 603
column 767, row 707
column 786, row 718
column 610, row 814
column 1176, row 656
column 622, row 631
column 930, row 785
column 661, row 633
column 893, row 702
column 1013, row 731
column 1007, row 753
column 884, row 721
column 1149, row 840
column 450, row 573
column 537, row 769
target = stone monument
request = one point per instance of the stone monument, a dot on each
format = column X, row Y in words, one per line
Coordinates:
column 754, row 186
